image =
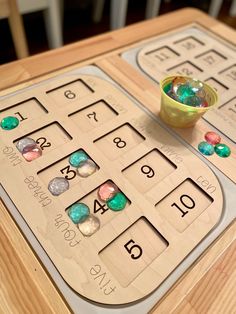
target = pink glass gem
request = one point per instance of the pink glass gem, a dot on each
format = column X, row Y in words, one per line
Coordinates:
column 107, row 191
column 31, row 152
column 212, row 138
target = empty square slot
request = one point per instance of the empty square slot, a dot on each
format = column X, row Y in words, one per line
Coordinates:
column 218, row 86
column 230, row 73
column 93, row 116
column 211, row 58
column 162, row 54
column 132, row 251
column 147, row 171
column 100, row 208
column 65, row 94
column 24, row 111
column 63, row 168
column 119, row 141
column 49, row 137
column 183, row 205
column 229, row 108
column 185, row 68
column 189, row 43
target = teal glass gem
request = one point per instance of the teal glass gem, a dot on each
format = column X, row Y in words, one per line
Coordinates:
column 206, row 148
column 78, row 212
column 117, row 202
column 9, row 123
column 222, row 150
column 193, row 101
column 77, row 158
column 184, row 91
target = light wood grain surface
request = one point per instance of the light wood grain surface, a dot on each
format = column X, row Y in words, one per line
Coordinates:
column 207, row 287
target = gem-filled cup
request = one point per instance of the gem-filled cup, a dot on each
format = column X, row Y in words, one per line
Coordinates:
column 181, row 115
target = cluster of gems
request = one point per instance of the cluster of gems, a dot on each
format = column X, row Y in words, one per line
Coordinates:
column 87, row 223
column 29, row 148
column 85, row 167
column 187, row 91
column 212, row 145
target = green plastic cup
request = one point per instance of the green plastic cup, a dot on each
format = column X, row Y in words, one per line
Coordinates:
column 179, row 115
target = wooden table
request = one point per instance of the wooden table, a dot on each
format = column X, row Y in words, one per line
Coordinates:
column 209, row 286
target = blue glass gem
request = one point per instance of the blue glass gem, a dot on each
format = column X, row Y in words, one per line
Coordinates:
column 206, row 148
column 77, row 158
column 78, row 212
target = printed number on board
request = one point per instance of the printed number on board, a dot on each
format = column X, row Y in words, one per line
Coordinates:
column 69, row 94
column 69, row 173
column 148, row 171
column 119, row 142
column 92, row 116
column 43, row 143
column 20, row 117
column 186, row 202
column 98, row 207
column 133, row 249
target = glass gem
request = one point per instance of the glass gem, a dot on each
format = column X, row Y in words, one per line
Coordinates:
column 206, row 148
column 31, row 152
column 107, row 191
column 196, row 85
column 24, row 142
column 177, row 82
column 192, row 101
column 222, row 150
column 78, row 212
column 9, row 123
column 118, row 202
column 86, row 168
column 89, row 226
column 77, row 157
column 184, row 91
column 167, row 87
column 58, row 186
column 212, row 138
column 203, row 103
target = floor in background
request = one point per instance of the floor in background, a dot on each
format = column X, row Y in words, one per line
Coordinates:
column 78, row 23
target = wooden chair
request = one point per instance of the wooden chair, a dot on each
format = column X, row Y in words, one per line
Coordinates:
column 119, row 11
column 9, row 9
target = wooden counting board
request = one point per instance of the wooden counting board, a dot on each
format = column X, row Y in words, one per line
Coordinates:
column 167, row 214
column 196, row 52
column 104, row 101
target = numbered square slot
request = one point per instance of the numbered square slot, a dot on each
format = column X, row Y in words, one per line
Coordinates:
column 104, row 203
column 45, row 139
column 75, row 167
column 70, row 92
column 137, row 247
column 24, row 111
column 93, row 115
column 149, row 170
column 189, row 43
column 230, row 74
column 185, row 68
column 183, row 205
column 218, row 86
column 162, row 55
column 210, row 58
column 229, row 108
column 119, row 141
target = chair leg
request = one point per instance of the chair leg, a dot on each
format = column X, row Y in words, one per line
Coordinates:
column 214, row 8
column 17, row 30
column 97, row 11
column 52, row 18
column 232, row 11
column 152, row 8
column 118, row 13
